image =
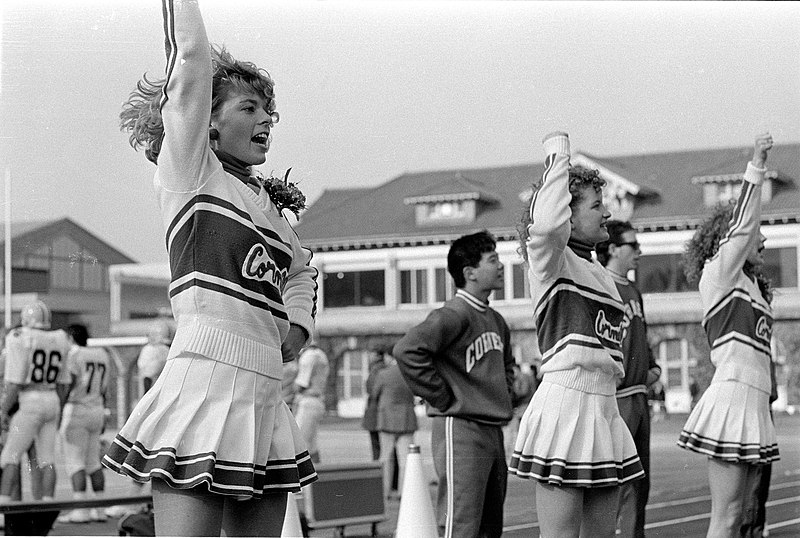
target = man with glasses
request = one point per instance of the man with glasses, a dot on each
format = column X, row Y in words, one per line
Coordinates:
column 620, row 255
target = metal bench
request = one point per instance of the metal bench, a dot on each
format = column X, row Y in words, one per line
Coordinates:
column 36, row 518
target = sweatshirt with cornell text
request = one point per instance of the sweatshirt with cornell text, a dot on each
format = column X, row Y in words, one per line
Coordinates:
column 459, row 361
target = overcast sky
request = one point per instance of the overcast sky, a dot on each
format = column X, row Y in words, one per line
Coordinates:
column 367, row 91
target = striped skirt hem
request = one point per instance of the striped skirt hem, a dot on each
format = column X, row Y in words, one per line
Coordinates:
column 727, row 450
column 219, row 476
column 576, row 474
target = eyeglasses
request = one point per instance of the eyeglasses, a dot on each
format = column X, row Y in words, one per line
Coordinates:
column 633, row 244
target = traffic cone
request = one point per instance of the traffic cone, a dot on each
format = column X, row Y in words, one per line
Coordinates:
column 291, row 521
column 416, row 518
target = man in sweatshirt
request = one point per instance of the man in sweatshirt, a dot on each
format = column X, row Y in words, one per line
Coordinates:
column 620, row 254
column 459, row 361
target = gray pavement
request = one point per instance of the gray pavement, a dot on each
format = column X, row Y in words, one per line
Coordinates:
column 679, row 499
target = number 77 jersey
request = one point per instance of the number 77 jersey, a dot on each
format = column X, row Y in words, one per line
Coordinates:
column 91, row 367
column 37, row 359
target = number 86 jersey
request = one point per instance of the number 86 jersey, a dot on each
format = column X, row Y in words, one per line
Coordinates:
column 37, row 358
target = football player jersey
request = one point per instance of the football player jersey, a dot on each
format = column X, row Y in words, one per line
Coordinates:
column 91, row 368
column 37, row 358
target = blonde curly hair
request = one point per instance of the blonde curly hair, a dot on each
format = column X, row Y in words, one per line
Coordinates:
column 141, row 113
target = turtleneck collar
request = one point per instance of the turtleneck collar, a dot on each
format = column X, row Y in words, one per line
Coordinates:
column 233, row 166
column 584, row 250
column 238, row 169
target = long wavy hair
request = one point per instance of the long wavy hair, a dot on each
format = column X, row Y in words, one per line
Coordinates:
column 580, row 179
column 704, row 244
column 141, row 113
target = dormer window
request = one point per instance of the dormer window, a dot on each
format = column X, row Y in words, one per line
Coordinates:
column 723, row 188
column 456, row 210
column 454, row 201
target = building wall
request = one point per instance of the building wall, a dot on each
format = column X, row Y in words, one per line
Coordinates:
column 414, row 281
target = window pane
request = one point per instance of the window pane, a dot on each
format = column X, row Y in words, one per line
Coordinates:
column 93, row 276
column 405, row 287
column 499, row 295
column 65, row 275
column 674, row 377
column 662, row 273
column 355, row 288
column 339, row 289
column 29, row 280
column 780, row 266
column 422, row 286
column 520, row 281
column 372, row 290
column 441, row 284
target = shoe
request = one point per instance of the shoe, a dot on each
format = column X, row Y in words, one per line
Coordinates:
column 97, row 515
column 79, row 515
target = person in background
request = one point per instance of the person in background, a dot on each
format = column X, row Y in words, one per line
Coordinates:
column 36, row 474
column 572, row 439
column 290, row 370
column 731, row 422
column 397, row 422
column 370, row 419
column 149, row 365
column 222, row 448
column 525, row 383
column 36, row 376
column 153, row 355
column 620, row 255
column 657, row 400
column 459, row 361
column 83, row 420
column 694, row 392
column 309, row 402
column 754, row 515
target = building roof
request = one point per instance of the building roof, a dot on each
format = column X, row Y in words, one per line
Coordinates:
column 28, row 235
column 662, row 184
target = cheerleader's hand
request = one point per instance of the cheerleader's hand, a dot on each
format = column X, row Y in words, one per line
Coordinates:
column 295, row 340
column 554, row 134
column 762, row 146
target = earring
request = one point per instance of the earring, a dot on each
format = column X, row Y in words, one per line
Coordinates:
column 213, row 134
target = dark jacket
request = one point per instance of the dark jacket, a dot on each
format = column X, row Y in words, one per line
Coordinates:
column 395, row 402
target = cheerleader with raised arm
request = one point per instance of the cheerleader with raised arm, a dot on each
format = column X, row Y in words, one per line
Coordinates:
column 572, row 439
column 731, row 422
column 213, row 433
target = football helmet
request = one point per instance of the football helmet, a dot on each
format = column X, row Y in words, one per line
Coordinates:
column 35, row 315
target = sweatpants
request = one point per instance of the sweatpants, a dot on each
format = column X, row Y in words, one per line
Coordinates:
column 635, row 412
column 469, row 459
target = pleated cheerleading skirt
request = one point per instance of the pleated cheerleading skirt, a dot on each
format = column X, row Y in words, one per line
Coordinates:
column 732, row 422
column 209, row 423
column 574, row 439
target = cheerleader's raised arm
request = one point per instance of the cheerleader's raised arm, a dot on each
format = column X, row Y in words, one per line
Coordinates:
column 186, row 100
column 735, row 246
column 549, row 229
